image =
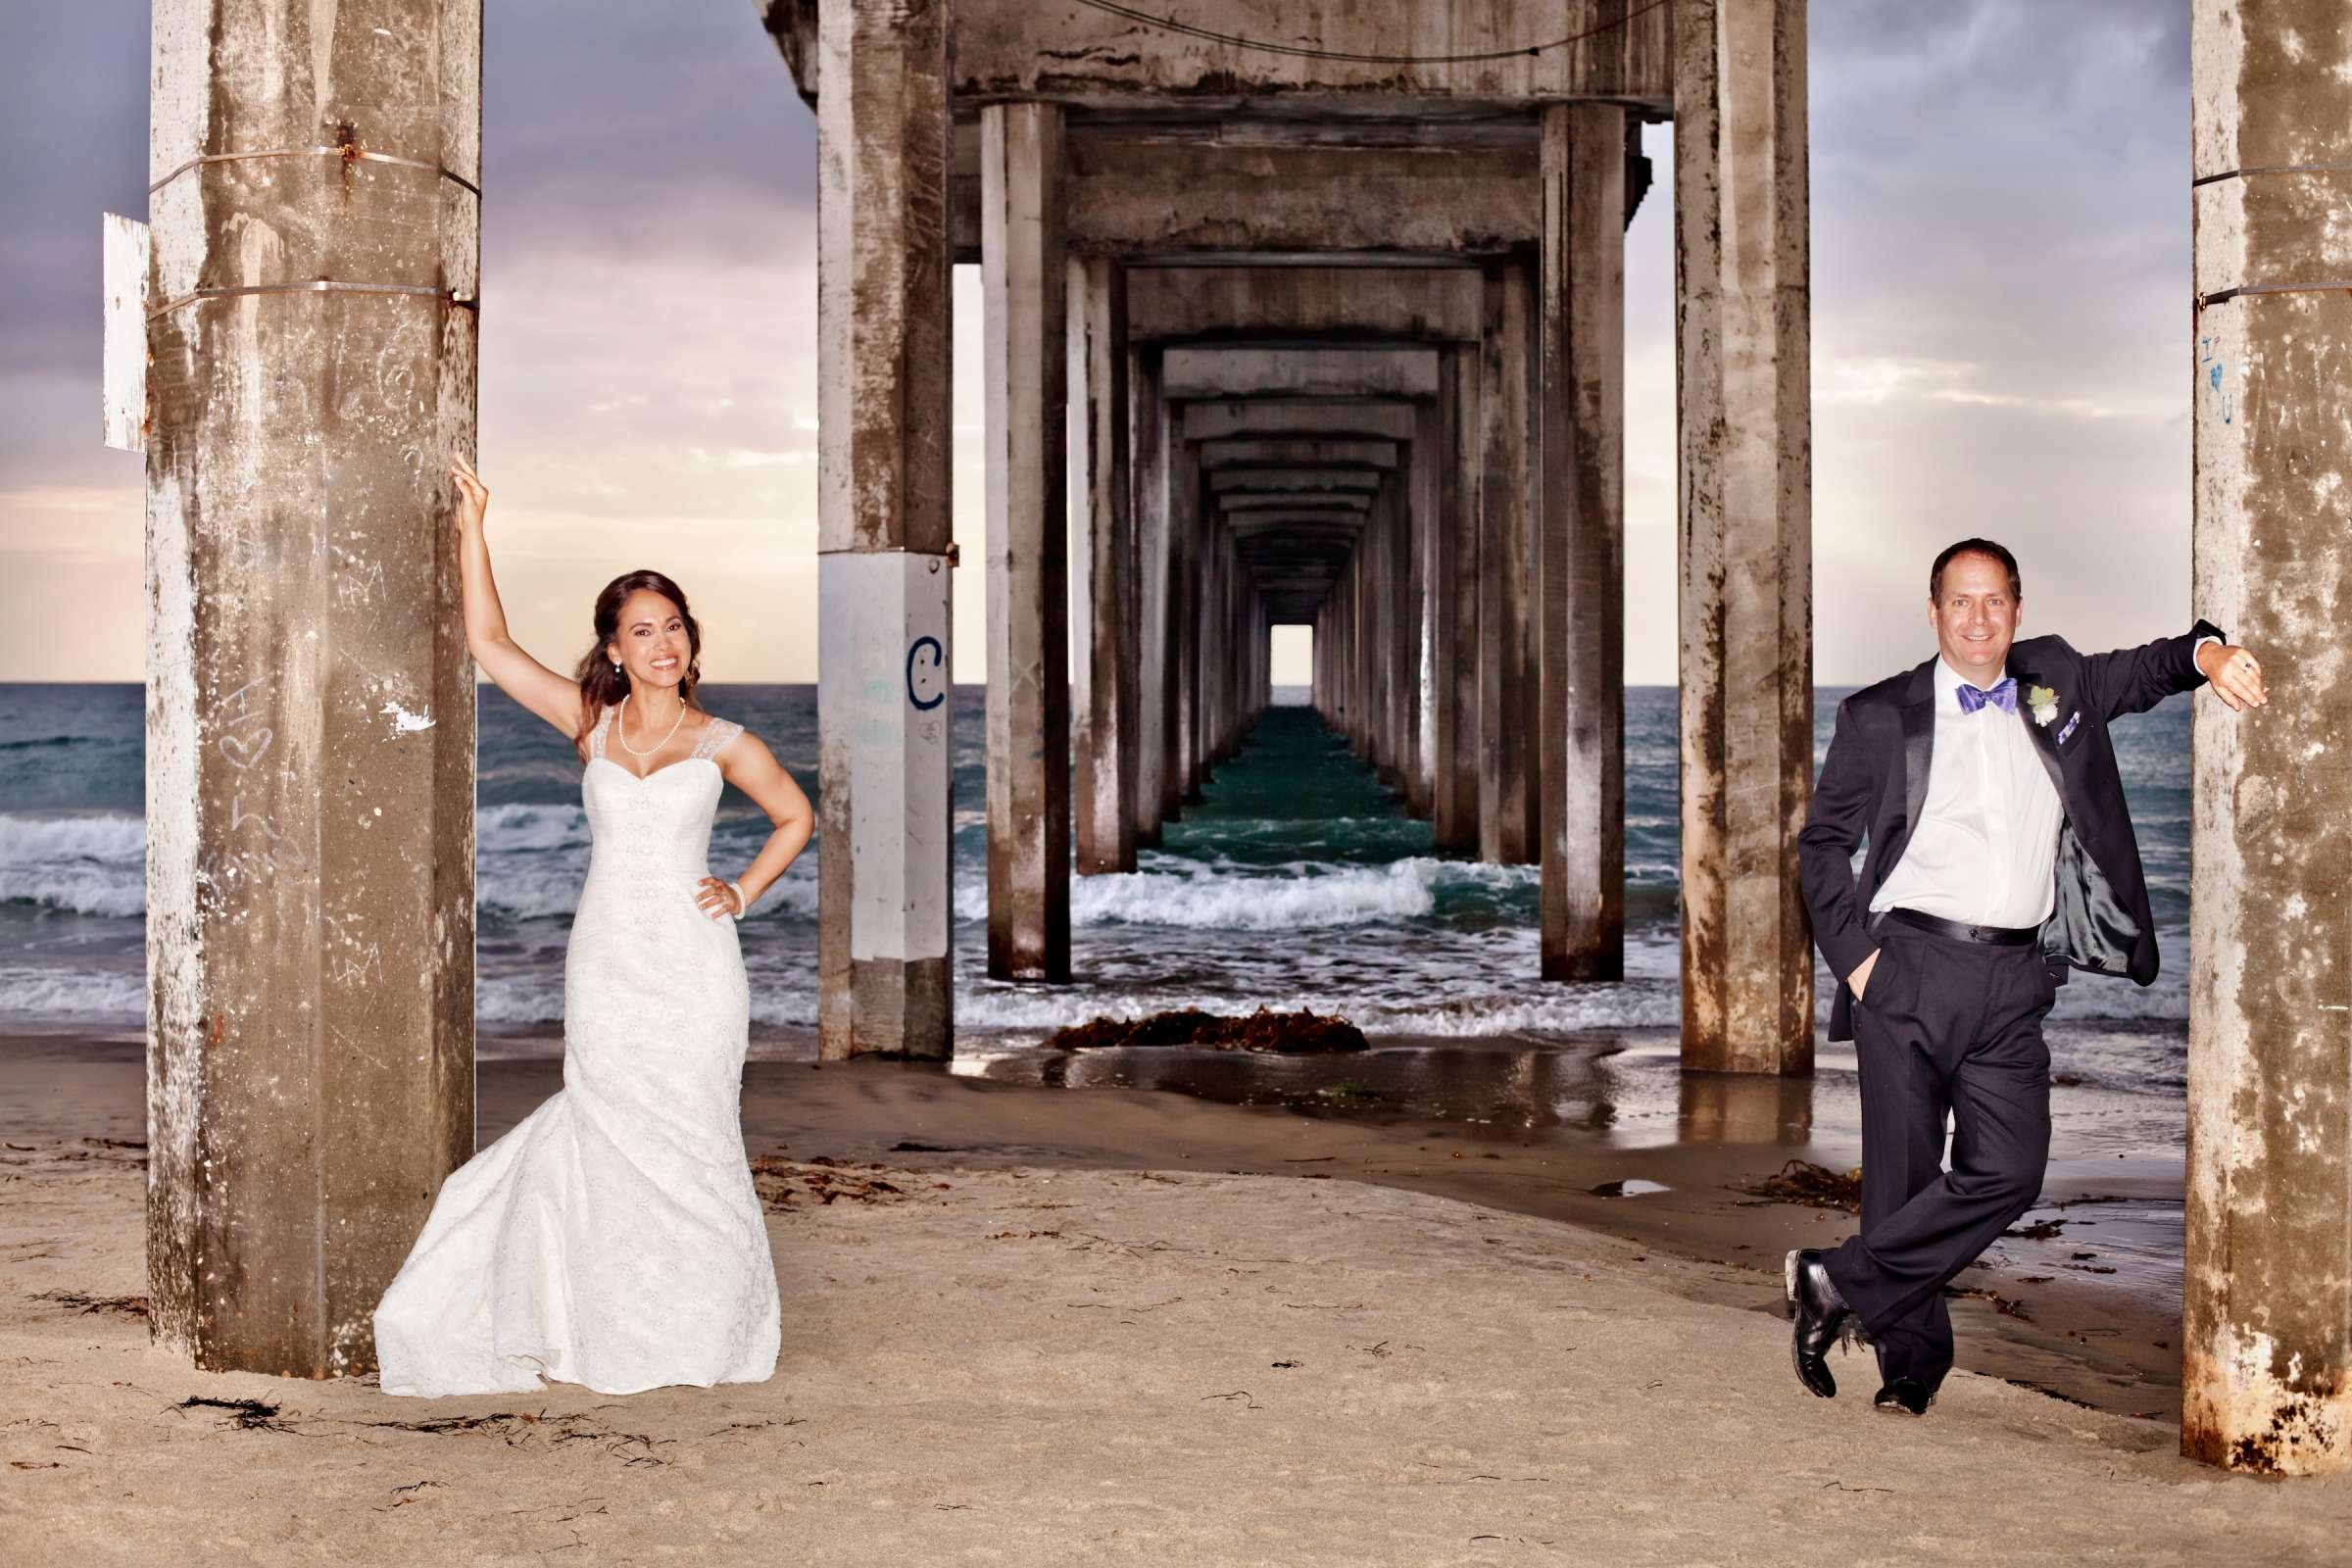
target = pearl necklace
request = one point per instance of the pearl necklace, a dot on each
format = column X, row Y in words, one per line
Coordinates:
column 620, row 726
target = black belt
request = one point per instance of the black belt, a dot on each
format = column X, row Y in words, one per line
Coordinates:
column 1999, row 936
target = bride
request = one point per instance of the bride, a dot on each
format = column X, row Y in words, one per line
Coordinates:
column 613, row 1239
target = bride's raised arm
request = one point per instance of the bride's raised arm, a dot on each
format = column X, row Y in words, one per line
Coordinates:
column 551, row 696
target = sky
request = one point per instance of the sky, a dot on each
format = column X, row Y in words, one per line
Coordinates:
column 2000, row 333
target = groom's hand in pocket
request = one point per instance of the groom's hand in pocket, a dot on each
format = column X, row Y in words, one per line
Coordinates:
column 1861, row 976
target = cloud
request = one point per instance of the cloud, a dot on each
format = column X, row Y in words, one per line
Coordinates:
column 1999, row 289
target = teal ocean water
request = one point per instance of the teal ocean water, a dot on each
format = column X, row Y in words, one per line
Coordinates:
column 1299, row 882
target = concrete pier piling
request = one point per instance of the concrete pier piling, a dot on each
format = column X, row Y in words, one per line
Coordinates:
column 884, row 445
column 310, row 705
column 1580, row 542
column 1105, row 597
column 2267, row 1337
column 1742, row 331
column 1024, row 282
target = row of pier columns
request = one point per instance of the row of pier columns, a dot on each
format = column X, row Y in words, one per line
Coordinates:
column 1420, row 461
column 1424, row 463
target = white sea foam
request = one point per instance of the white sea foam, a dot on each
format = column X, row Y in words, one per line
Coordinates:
column 55, row 994
column 504, row 829
column 1294, row 898
column 83, row 864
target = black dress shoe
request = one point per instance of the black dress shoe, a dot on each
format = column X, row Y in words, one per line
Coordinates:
column 1906, row 1396
column 1822, row 1319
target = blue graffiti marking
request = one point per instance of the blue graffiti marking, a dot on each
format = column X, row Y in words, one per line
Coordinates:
column 935, row 667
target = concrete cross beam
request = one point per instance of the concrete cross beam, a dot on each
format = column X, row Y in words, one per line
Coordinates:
column 1384, row 374
column 1300, row 503
column 1107, row 63
column 1304, row 453
column 1284, row 418
column 1256, row 480
column 1200, row 304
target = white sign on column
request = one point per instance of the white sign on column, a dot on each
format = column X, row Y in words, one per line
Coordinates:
column 882, row 632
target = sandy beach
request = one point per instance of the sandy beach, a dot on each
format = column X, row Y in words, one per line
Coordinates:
column 1041, row 1324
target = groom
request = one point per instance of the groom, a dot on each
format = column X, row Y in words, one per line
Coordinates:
column 2000, row 855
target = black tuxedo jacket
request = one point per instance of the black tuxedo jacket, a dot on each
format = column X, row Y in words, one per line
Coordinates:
column 1874, row 784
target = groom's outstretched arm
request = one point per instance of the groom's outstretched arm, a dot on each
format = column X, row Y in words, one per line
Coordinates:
column 2133, row 680
column 1824, row 849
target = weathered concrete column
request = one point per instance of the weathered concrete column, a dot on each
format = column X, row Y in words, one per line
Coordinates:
column 1454, row 603
column 1148, row 417
column 309, row 705
column 1182, row 783
column 2266, row 1291
column 884, row 755
column 1023, row 284
column 1105, row 592
column 1405, row 638
column 1391, row 671
column 1207, row 653
column 1507, row 677
column 1581, row 543
column 1432, row 447
column 1742, row 332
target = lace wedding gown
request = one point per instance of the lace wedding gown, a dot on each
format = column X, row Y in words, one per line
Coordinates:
column 613, row 1239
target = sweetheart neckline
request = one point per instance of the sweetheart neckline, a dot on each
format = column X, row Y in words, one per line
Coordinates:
column 665, row 767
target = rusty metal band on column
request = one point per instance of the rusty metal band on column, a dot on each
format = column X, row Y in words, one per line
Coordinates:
column 354, row 155
column 319, row 287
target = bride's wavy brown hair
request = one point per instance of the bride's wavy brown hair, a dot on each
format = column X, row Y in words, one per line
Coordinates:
column 602, row 683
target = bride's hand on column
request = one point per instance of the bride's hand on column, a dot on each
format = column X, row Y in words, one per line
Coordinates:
column 718, row 899
column 473, row 496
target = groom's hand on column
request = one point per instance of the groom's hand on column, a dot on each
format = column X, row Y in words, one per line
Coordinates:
column 1861, row 976
column 2235, row 677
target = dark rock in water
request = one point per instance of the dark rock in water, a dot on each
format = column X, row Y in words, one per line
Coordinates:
column 1800, row 1181
column 1290, row 1034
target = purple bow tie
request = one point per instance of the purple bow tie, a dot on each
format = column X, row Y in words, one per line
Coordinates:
column 2002, row 696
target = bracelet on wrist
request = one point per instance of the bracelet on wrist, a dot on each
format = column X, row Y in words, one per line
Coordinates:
column 743, row 905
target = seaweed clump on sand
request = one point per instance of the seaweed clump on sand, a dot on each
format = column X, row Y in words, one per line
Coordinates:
column 1800, row 1181
column 1290, row 1034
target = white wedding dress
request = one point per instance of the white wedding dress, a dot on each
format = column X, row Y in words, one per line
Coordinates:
column 613, row 1239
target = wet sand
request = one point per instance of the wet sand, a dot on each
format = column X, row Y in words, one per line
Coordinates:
column 1000, row 1357
column 1605, row 1134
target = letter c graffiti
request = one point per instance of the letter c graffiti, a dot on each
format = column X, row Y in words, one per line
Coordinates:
column 939, row 659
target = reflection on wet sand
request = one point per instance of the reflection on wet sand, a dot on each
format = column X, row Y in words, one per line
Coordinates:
column 1723, row 1107
column 1612, row 1087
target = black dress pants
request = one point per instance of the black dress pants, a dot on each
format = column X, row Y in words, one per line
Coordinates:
column 1945, row 1025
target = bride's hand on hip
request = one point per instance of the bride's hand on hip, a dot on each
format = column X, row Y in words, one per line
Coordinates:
column 718, row 899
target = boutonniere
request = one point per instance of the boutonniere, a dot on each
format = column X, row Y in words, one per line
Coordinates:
column 2042, row 703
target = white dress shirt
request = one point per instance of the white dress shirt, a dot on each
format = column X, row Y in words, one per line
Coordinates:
column 1985, row 851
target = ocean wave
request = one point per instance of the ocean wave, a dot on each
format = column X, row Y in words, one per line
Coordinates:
column 1309, row 897
column 85, row 864
column 990, row 1008
column 50, row 994
column 519, row 830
